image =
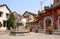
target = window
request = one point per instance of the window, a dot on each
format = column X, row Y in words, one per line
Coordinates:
column 40, row 23
column 30, row 17
column 18, row 19
column 7, row 15
column 4, row 23
column 1, row 14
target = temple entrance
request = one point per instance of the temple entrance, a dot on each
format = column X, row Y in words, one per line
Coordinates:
column 47, row 22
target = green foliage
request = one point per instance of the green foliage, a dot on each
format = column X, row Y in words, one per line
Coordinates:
column 49, row 22
column 40, row 24
column 11, row 21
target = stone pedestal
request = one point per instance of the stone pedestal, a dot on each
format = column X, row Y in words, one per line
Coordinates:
column 20, row 30
column 3, row 28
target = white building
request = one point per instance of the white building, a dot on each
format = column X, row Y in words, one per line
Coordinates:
column 4, row 15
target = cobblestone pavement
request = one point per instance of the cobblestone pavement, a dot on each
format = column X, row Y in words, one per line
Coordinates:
column 30, row 35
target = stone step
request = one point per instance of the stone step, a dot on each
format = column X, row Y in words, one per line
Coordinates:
column 56, row 32
column 19, row 31
column 4, row 32
column 22, row 29
column 40, row 31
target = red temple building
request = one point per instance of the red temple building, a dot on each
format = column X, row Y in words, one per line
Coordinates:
column 50, row 16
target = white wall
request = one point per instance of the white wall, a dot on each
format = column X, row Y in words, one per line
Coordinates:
column 4, row 10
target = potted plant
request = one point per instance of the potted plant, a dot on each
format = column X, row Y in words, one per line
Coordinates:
column 49, row 28
column 36, row 29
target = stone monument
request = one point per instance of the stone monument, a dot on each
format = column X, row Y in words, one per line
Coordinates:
column 20, row 29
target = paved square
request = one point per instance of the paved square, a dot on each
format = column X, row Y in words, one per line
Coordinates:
column 30, row 35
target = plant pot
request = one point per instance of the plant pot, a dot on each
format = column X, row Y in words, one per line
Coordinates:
column 36, row 31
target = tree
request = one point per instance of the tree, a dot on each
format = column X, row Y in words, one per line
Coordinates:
column 11, row 21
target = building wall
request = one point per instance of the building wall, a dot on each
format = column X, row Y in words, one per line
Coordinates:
column 29, row 17
column 52, row 16
column 4, row 10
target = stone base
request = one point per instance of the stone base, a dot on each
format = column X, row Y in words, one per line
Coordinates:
column 19, row 31
column 3, row 28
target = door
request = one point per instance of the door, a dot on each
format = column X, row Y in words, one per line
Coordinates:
column 48, row 23
column 4, row 23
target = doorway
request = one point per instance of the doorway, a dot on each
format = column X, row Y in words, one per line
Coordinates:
column 48, row 21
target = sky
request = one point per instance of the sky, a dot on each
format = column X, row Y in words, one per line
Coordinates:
column 20, row 6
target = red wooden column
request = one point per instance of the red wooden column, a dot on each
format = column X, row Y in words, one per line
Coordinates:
column 39, row 23
column 53, row 18
column 43, row 22
column 56, row 21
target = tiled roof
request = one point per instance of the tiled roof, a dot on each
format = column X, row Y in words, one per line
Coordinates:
column 18, row 14
column 6, row 6
column 53, row 7
column 29, row 13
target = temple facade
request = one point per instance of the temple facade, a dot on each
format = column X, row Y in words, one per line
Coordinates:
column 50, row 16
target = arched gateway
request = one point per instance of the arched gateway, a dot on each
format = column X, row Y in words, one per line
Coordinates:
column 48, row 21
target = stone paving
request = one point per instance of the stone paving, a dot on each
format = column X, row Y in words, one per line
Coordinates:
column 30, row 35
